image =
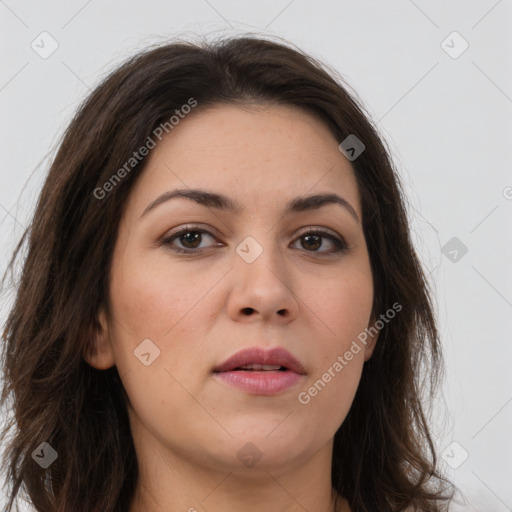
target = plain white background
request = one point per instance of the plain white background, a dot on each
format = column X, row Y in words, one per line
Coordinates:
column 445, row 113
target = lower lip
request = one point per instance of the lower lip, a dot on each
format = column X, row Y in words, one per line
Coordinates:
column 261, row 382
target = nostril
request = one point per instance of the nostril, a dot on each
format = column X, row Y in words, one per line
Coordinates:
column 248, row 311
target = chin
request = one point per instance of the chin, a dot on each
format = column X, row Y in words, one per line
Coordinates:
column 273, row 431
column 253, row 460
column 253, row 448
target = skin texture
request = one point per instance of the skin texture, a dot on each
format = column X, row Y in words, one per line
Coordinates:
column 187, row 426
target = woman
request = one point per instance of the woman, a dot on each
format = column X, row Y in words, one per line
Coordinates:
column 220, row 307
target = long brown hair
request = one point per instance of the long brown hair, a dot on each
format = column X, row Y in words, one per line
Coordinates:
column 384, row 458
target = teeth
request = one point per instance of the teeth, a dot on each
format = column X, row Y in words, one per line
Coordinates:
column 255, row 366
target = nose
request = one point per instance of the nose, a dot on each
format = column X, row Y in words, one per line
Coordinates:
column 262, row 290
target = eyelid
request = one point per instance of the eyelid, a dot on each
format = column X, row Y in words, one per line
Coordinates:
column 315, row 229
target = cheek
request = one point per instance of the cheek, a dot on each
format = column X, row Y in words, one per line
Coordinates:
column 157, row 303
column 172, row 308
column 343, row 307
column 150, row 299
column 343, row 304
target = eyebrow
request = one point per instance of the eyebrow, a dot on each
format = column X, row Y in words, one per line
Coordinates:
column 221, row 202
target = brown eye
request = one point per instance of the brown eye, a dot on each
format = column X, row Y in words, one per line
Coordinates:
column 189, row 239
column 312, row 242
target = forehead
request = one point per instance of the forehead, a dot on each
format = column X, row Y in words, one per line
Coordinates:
column 257, row 130
column 252, row 153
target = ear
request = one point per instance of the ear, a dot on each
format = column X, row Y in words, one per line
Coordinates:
column 99, row 352
column 371, row 340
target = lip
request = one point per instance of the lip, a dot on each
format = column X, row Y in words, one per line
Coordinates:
column 265, row 382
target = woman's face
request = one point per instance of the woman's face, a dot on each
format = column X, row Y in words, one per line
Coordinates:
column 249, row 278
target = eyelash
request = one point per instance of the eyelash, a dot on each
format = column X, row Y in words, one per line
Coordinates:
column 339, row 244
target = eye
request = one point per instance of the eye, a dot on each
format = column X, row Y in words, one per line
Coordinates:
column 189, row 237
column 312, row 239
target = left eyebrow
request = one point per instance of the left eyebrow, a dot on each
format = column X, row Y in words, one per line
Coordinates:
column 222, row 202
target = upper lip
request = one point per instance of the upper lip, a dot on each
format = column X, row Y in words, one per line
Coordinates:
column 276, row 356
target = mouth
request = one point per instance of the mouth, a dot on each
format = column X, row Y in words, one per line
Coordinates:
column 261, row 372
column 254, row 367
